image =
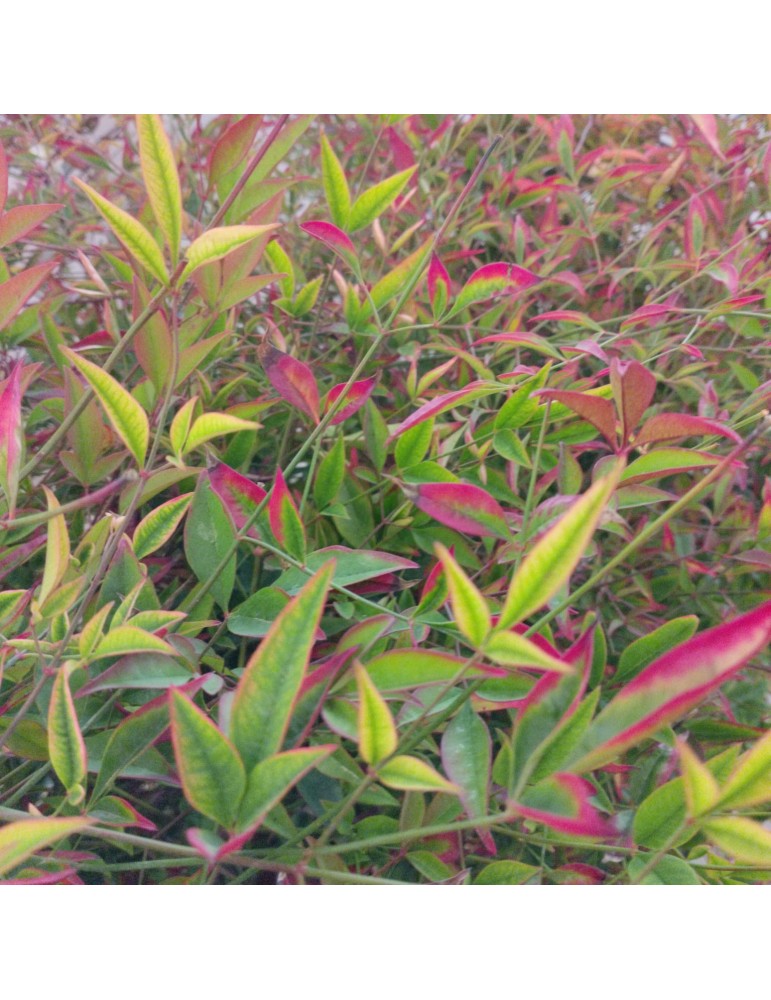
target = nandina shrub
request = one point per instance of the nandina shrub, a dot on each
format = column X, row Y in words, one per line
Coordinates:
column 384, row 499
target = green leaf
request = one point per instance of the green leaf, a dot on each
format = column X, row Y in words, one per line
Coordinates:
column 217, row 243
column 468, row 606
column 19, row 841
column 272, row 778
column 551, row 561
column 211, row 425
column 131, row 233
column 266, row 693
column 508, row 649
column 411, row 774
column 701, row 790
column 668, row 871
column 123, row 411
column 65, row 741
column 161, row 179
column 647, row 648
column 128, row 639
column 329, row 474
column 128, row 742
column 57, row 549
column 335, row 185
column 180, row 426
column 213, row 777
column 466, row 757
column 209, row 536
column 506, row 873
column 750, row 782
column 746, row 841
column 159, row 525
column 376, row 729
column 372, row 203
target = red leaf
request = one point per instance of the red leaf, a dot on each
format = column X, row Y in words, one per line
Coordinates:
column 285, row 522
column 15, row 292
column 10, row 437
column 707, row 125
column 355, row 398
column 437, row 276
column 19, row 221
column 633, row 389
column 668, row 426
column 598, row 411
column 292, row 379
column 334, row 238
column 240, row 495
column 562, row 803
column 645, row 313
column 462, row 507
column 441, row 403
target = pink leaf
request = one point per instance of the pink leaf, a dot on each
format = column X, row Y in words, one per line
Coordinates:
column 562, row 803
column 707, row 125
column 441, row 403
column 334, row 238
column 356, row 396
column 668, row 426
column 19, row 221
column 462, row 507
column 240, row 495
column 438, row 285
column 292, row 379
column 598, row 411
column 10, row 437
column 646, row 313
column 15, row 292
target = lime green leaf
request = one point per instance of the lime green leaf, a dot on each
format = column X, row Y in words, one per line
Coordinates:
column 329, row 474
column 549, row 564
column 57, row 549
column 180, row 426
column 508, row 649
column 217, row 243
column 411, row 774
column 377, row 732
column 127, row 639
column 701, row 790
column 750, row 782
column 668, row 871
column 161, row 180
column 128, row 742
column 468, row 606
column 372, row 203
column 213, row 777
column 506, row 873
column 335, row 185
column 211, row 425
column 266, row 693
column 123, row 411
column 18, row 841
column 65, row 741
column 131, row 233
column 159, row 525
column 746, row 841
column 271, row 779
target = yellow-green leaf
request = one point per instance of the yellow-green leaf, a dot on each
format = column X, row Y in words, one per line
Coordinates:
column 701, row 789
column 131, row 233
column 65, row 741
column 377, row 732
column 19, row 841
column 92, row 630
column 180, row 426
column 161, row 179
column 468, row 606
column 159, row 525
column 743, row 839
column 508, row 649
column 211, row 425
column 335, row 185
column 410, row 774
column 750, row 782
column 123, row 411
column 553, row 558
column 375, row 201
column 127, row 639
column 57, row 549
column 217, row 243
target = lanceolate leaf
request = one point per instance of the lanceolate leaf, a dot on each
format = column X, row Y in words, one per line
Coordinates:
column 272, row 778
column 462, row 507
column 266, row 693
column 129, row 740
column 562, row 803
column 553, row 558
column 285, row 520
column 161, row 180
column 123, row 411
column 512, row 650
column 354, row 396
column 131, row 233
column 750, row 782
column 211, row 425
column 672, row 685
column 217, row 243
column 469, row 607
column 438, row 285
column 334, row 238
column 670, row 426
column 65, row 742
column 372, row 203
column 466, row 757
column 130, row 639
column 633, row 389
column 209, row 537
column 241, row 496
column 213, row 777
column 447, row 401
column 292, row 379
column 11, row 437
column 599, row 412
column 16, row 290
column 335, row 185
column 746, row 841
column 490, row 280
column 57, row 549
column 411, row 774
column 15, row 224
column 159, row 525
column 376, row 729
column 18, row 841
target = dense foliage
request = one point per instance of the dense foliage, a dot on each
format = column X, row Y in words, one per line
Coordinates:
column 385, row 500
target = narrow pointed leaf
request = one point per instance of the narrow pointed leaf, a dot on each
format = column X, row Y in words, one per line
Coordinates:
column 670, row 426
column 129, row 639
column 123, row 411
column 285, row 520
column 438, row 286
column 16, row 223
column 180, row 425
column 159, row 171
column 269, row 686
column 159, row 525
column 562, row 803
column 335, row 185
column 11, row 437
column 270, row 780
column 701, row 790
column 132, row 234
column 744, row 840
column 211, row 425
column 599, row 412
column 354, row 398
column 447, row 401
column 633, row 388
column 404, row 669
column 551, row 561
column 469, row 608
column 750, row 782
column 292, row 379
column 512, row 650
column 461, row 506
column 129, row 741
column 209, row 538
column 240, row 496
column 57, row 549
column 16, row 290
column 335, row 239
column 213, row 777
column 217, row 243
column 372, row 203
column 411, row 774
column 648, row 648
column 489, row 280
column 467, row 759
column 19, row 841
column 65, row 741
column 376, row 728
